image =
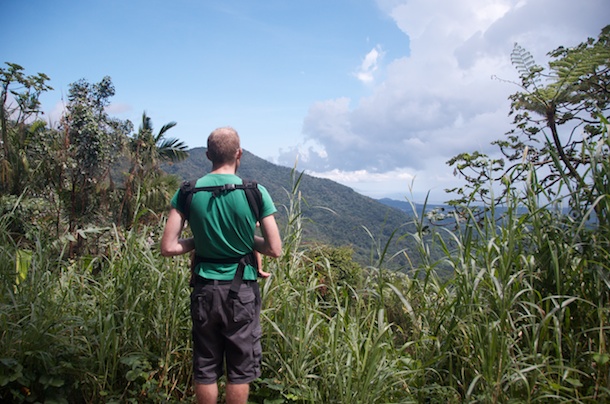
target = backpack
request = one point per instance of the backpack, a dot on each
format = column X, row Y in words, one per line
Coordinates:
column 255, row 200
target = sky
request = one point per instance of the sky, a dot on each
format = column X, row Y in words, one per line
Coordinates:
column 374, row 94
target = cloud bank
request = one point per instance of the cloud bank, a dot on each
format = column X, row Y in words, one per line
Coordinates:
column 447, row 96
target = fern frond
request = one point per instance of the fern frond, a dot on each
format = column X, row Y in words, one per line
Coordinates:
column 529, row 71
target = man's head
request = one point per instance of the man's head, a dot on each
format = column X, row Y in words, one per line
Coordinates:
column 223, row 146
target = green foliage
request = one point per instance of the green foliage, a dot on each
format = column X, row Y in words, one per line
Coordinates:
column 344, row 271
column 18, row 157
column 26, row 217
column 91, row 330
column 56, row 180
column 93, row 141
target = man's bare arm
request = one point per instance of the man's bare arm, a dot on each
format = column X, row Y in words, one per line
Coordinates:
column 171, row 243
column 270, row 243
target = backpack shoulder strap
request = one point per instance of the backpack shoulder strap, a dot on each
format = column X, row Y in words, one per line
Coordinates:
column 187, row 189
column 255, row 198
column 185, row 195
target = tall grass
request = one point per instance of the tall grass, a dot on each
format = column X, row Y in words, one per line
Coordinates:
column 111, row 329
column 524, row 318
column 513, row 322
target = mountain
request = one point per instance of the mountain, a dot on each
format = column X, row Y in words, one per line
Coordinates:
column 333, row 214
column 407, row 207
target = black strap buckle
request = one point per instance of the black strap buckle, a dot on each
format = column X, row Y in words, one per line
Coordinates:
column 224, row 188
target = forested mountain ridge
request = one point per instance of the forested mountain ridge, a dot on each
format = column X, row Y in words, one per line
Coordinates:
column 333, row 214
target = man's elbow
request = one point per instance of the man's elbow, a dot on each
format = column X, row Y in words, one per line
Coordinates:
column 275, row 254
column 166, row 251
column 275, row 251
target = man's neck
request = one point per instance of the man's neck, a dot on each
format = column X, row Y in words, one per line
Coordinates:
column 224, row 169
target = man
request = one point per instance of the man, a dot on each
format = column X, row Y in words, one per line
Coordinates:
column 226, row 328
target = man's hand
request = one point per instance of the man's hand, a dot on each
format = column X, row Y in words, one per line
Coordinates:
column 263, row 274
column 259, row 265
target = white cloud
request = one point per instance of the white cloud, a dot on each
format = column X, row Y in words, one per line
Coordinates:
column 375, row 185
column 119, row 108
column 359, row 176
column 369, row 65
column 442, row 99
column 54, row 114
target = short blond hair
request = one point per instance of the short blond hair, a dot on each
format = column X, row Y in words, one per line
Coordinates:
column 223, row 145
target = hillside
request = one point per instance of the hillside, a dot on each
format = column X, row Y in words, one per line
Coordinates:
column 333, row 213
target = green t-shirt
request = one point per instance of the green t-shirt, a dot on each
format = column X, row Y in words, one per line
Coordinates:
column 223, row 226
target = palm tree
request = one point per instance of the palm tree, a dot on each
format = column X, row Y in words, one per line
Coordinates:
column 151, row 150
column 147, row 152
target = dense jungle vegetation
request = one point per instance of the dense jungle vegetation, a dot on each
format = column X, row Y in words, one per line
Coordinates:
column 90, row 312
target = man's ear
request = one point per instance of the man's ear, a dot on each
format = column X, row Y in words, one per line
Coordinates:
column 207, row 154
column 240, row 153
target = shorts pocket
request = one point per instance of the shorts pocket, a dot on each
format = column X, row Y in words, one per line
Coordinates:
column 200, row 304
column 244, row 306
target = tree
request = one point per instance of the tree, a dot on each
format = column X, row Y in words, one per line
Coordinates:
column 147, row 152
column 19, row 125
column 151, row 150
column 559, row 130
column 93, row 141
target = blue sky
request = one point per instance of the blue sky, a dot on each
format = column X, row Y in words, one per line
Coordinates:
column 374, row 94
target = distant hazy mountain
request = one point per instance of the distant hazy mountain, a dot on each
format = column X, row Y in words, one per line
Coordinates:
column 333, row 213
column 407, row 207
